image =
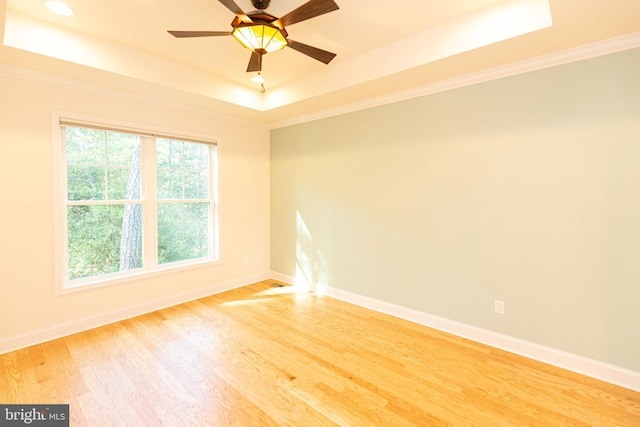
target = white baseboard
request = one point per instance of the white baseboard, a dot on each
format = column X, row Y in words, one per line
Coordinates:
column 572, row 362
column 68, row 328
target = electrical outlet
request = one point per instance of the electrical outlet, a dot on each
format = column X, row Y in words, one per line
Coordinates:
column 246, row 261
column 499, row 306
column 315, row 266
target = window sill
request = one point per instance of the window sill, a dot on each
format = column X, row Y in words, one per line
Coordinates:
column 116, row 279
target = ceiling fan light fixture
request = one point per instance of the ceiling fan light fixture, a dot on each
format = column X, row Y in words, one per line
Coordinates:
column 260, row 37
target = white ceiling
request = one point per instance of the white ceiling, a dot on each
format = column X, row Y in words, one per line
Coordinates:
column 382, row 47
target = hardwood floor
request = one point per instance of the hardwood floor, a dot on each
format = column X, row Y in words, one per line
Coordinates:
column 265, row 355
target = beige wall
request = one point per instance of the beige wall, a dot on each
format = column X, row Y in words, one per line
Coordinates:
column 27, row 301
column 525, row 189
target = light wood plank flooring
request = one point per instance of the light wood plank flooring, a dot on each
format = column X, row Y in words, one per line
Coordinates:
column 265, row 355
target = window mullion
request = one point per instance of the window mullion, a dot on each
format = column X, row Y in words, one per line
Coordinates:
column 149, row 202
column 213, row 198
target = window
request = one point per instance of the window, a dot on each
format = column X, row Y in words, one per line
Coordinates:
column 132, row 203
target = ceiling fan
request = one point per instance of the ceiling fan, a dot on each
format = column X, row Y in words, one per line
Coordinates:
column 262, row 32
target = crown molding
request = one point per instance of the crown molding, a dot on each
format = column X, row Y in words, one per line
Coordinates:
column 591, row 50
column 39, row 77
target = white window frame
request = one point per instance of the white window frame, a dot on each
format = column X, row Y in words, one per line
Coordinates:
column 148, row 168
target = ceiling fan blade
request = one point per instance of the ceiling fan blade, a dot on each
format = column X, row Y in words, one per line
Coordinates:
column 255, row 63
column 180, row 34
column 233, row 7
column 318, row 54
column 308, row 10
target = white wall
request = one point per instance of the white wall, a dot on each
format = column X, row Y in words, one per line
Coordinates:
column 29, row 310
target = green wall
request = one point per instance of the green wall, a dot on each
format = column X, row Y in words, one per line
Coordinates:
column 524, row 189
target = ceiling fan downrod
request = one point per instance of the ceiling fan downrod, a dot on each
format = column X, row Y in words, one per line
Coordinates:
column 260, row 4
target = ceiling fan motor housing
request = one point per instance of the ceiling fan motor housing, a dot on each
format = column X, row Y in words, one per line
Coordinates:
column 261, row 4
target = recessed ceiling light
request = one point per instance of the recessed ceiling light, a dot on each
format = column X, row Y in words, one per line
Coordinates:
column 59, row 8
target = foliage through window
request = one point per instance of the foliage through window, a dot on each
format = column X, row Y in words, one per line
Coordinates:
column 134, row 202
